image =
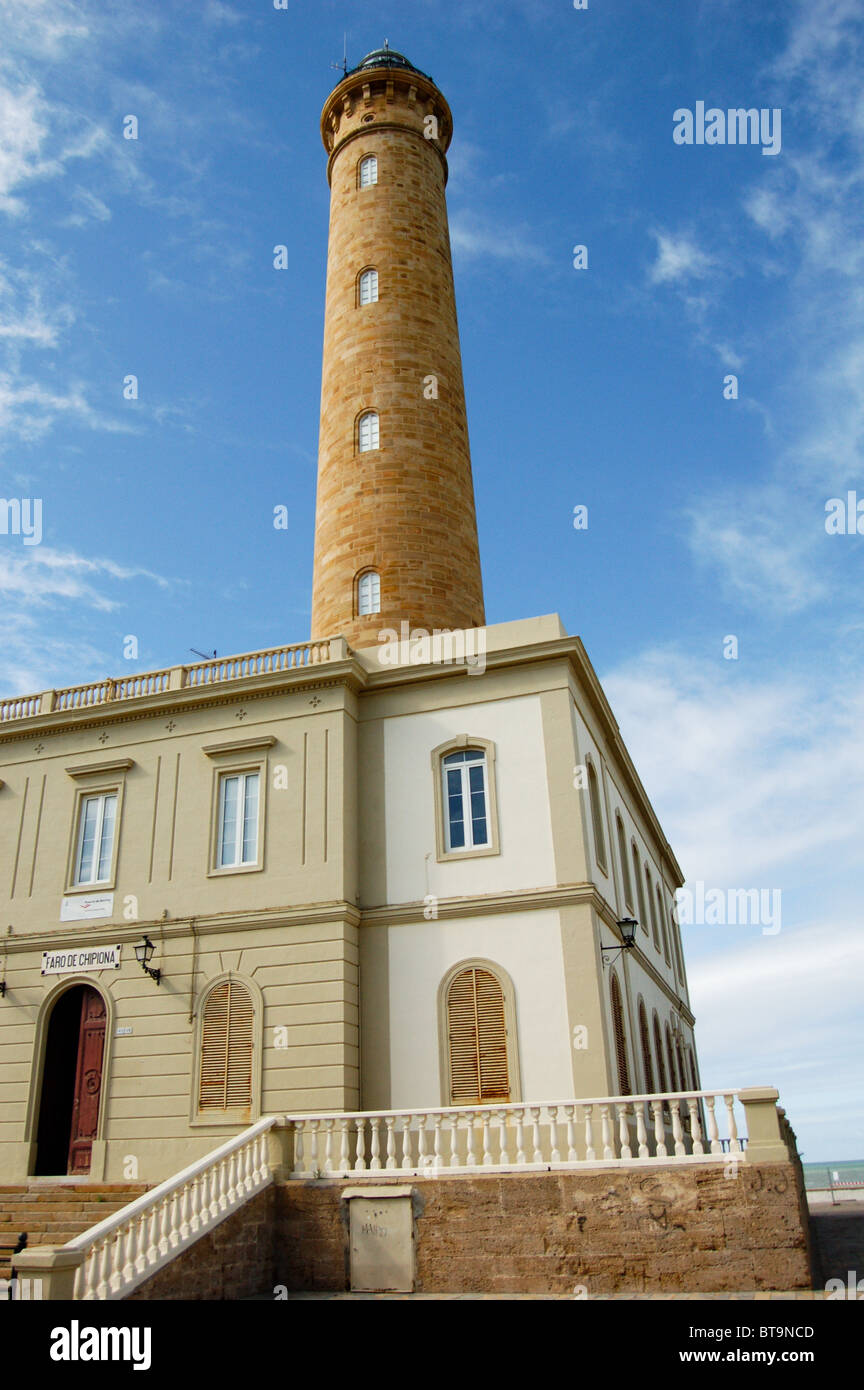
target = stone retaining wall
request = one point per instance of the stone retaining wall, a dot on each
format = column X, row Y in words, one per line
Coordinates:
column 687, row 1229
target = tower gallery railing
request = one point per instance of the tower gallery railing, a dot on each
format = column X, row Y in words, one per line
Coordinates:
column 203, row 673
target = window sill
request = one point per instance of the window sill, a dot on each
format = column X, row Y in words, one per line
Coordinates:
column 235, row 869
column 449, row 855
column 211, row 1118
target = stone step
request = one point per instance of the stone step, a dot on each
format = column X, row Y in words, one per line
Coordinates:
column 54, row 1213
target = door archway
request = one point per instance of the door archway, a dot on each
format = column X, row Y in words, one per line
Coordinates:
column 71, row 1088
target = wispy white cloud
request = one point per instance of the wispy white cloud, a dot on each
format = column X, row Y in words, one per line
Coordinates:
column 805, row 225
column 678, row 259
column 764, row 545
column 479, row 237
column 745, row 771
column 29, row 410
column 42, row 574
column 758, row 784
column 773, row 1012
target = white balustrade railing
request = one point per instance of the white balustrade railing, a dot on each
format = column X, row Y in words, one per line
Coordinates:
column 678, row 1127
column 134, row 687
column 123, row 1251
column 130, row 1246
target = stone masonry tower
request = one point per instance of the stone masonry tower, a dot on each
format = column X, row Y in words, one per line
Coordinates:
column 395, row 530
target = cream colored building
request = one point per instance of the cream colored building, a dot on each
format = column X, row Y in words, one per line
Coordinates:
column 374, row 876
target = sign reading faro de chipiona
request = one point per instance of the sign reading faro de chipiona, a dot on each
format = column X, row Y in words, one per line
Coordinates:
column 80, row 958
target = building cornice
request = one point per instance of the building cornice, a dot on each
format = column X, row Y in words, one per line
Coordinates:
column 347, row 672
column 167, row 929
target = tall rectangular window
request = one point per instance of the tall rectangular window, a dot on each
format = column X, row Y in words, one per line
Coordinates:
column 238, row 819
column 97, row 819
column 466, row 809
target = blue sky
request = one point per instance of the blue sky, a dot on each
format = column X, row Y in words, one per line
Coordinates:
column 602, row 387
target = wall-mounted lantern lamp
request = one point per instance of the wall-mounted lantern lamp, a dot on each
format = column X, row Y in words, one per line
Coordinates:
column 144, row 954
column 627, row 927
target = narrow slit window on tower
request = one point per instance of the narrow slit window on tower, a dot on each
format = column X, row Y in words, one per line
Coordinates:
column 369, row 593
column 367, row 432
column 368, row 287
column 466, row 800
column 368, row 176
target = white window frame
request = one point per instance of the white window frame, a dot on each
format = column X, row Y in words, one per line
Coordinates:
column 101, row 797
column 243, row 777
column 367, row 287
column 471, row 757
column 368, row 593
column 372, row 435
column 369, row 161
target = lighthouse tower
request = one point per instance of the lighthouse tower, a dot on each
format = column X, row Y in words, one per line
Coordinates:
column 395, row 533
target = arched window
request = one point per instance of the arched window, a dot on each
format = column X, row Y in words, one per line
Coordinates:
column 367, row 171
column 643, row 915
column 477, row 1038
column 645, row 1040
column 658, row 1052
column 676, row 942
column 369, row 593
column 653, row 906
column 227, row 1032
column 596, row 817
column 620, row 1038
column 367, row 431
column 670, row 1057
column 694, row 1082
column 665, row 940
column 367, row 287
column 658, row 908
column 679, row 1056
column 466, row 800
column 625, row 867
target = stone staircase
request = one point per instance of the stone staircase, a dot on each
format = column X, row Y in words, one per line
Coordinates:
column 52, row 1213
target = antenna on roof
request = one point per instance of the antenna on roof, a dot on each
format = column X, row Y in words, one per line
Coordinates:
column 205, row 656
column 343, row 66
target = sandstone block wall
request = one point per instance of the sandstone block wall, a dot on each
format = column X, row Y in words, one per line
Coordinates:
column 685, row 1229
column 668, row 1229
column 233, row 1261
column 405, row 509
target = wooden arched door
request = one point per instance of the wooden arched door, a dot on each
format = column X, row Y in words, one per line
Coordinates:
column 71, row 1084
column 88, row 1081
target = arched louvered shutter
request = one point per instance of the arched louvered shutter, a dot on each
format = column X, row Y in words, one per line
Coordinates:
column 673, row 1079
column 679, row 1057
column 620, row 1039
column 478, row 1039
column 646, row 1050
column 226, row 1048
column 658, row 1048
